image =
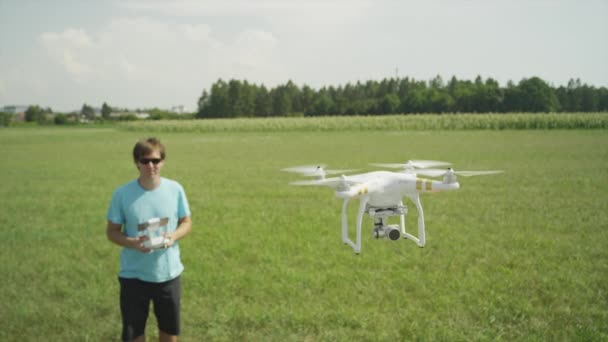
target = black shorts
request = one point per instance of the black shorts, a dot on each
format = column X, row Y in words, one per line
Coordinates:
column 135, row 297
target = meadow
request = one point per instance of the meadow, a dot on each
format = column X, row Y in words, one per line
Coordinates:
column 516, row 256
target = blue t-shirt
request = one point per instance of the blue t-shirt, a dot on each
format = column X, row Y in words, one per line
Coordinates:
column 132, row 205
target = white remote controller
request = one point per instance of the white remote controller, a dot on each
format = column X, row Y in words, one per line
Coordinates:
column 156, row 242
column 153, row 229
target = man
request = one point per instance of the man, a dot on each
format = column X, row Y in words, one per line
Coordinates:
column 148, row 273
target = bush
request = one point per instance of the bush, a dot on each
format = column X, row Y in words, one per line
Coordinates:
column 5, row 119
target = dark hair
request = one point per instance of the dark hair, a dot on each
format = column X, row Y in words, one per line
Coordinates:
column 146, row 146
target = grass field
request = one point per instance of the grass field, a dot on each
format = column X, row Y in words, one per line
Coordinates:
column 517, row 256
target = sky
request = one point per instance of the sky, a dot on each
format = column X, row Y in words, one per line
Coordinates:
column 151, row 53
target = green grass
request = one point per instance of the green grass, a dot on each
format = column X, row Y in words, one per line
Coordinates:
column 516, row 256
column 384, row 122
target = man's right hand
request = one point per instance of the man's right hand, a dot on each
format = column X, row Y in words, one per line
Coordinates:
column 138, row 244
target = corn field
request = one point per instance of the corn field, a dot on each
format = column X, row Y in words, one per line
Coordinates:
column 387, row 122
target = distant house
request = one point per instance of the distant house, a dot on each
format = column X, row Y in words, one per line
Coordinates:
column 138, row 115
column 14, row 109
column 17, row 110
column 177, row 109
column 19, row 117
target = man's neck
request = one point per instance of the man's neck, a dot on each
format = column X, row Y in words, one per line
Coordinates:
column 149, row 183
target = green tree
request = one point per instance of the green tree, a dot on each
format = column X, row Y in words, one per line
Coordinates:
column 536, row 96
column 106, row 111
column 438, row 101
column 389, row 104
column 371, row 89
column 203, row 104
column 293, row 93
column 488, row 96
column 88, row 112
column 217, row 104
column 589, row 98
column 241, row 99
column 281, row 101
column 60, row 119
column 307, row 98
column 437, row 83
column 263, row 103
column 34, row 114
column 463, row 93
column 323, row 104
column 415, row 99
column 5, row 119
column 247, row 99
column 602, row 94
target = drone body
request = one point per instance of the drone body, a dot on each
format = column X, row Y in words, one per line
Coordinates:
column 385, row 188
column 381, row 195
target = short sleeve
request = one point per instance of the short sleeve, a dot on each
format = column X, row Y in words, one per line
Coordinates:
column 183, row 208
column 115, row 213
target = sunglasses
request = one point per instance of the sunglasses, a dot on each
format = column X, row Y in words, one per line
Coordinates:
column 145, row 161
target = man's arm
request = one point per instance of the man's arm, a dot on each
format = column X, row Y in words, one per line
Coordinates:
column 184, row 226
column 114, row 234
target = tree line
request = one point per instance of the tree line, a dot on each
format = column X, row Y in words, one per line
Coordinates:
column 46, row 116
column 237, row 98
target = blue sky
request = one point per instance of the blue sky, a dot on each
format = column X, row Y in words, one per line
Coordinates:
column 142, row 54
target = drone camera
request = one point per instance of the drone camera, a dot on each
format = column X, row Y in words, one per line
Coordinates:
column 391, row 232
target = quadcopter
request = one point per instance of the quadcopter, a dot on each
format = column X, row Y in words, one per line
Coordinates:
column 381, row 194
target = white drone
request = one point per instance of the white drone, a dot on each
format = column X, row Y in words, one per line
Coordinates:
column 381, row 194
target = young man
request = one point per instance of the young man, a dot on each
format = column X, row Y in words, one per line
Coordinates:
column 148, row 274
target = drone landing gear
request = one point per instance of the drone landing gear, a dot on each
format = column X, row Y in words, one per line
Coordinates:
column 381, row 229
column 421, row 239
column 362, row 205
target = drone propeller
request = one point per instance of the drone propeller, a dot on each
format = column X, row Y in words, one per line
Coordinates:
column 314, row 170
column 341, row 183
column 413, row 164
column 450, row 171
column 316, row 182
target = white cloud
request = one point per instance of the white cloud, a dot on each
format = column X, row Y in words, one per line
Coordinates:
column 196, row 8
column 147, row 49
column 253, row 48
column 79, row 71
column 159, row 60
column 75, row 37
column 194, row 33
column 65, row 48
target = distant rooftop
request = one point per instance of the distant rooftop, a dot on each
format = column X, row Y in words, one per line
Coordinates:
column 14, row 109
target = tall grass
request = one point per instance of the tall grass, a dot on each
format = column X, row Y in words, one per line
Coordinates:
column 388, row 122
